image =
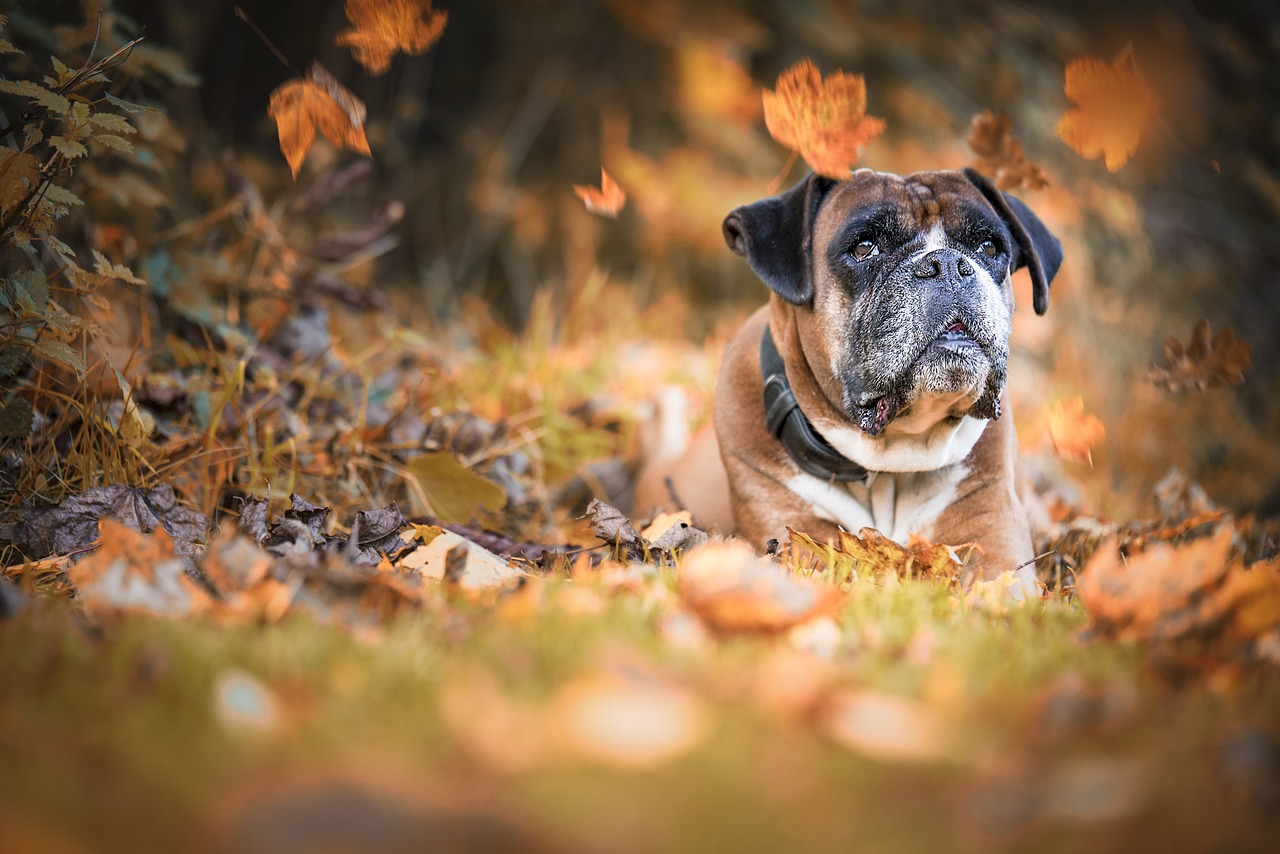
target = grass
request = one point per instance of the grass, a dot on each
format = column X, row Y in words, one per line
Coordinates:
column 111, row 734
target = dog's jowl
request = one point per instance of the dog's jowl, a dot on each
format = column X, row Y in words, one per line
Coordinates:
column 870, row 391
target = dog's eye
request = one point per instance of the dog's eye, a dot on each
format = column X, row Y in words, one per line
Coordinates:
column 864, row 250
column 990, row 248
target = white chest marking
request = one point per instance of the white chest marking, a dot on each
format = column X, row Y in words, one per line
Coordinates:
column 897, row 504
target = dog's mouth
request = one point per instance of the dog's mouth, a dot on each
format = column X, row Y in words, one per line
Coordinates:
column 954, row 348
column 954, row 336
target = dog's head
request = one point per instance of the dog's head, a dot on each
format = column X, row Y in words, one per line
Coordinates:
column 902, row 285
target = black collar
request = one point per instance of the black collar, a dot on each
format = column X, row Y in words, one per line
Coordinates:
column 784, row 420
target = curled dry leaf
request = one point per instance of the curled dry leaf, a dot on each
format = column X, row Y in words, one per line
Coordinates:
column 733, row 590
column 824, row 121
column 1000, row 154
column 318, row 102
column 1115, row 103
column 1074, row 432
column 608, row 200
column 131, row 571
column 1203, row 362
column 1167, row 592
column 382, row 28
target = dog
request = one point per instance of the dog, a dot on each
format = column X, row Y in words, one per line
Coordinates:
column 869, row 391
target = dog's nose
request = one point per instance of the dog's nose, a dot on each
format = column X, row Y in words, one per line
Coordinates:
column 941, row 261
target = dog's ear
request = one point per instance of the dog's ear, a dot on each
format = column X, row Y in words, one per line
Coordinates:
column 775, row 236
column 1038, row 249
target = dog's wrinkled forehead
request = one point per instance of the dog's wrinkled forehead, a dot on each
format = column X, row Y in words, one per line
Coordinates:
column 905, row 206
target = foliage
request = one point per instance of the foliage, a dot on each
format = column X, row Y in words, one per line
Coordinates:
column 196, row 344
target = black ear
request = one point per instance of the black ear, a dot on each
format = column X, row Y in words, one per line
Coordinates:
column 1038, row 249
column 774, row 235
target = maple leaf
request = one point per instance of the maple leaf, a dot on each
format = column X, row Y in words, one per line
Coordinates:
column 1074, row 432
column 317, row 102
column 1202, row 362
column 1000, row 154
column 380, row 28
column 1114, row 105
column 823, row 120
column 605, row 201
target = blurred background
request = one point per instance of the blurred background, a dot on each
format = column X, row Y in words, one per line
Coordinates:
column 480, row 138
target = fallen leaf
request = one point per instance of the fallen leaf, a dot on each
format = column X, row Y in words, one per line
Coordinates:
column 627, row 722
column 824, row 120
column 733, row 590
column 1000, row 154
column 318, row 102
column 872, row 554
column 1115, row 104
column 608, row 200
column 132, row 571
column 885, row 726
column 73, row 525
column 460, row 562
column 381, row 28
column 1203, row 362
column 1074, row 432
column 454, row 492
column 1167, row 592
column 233, row 561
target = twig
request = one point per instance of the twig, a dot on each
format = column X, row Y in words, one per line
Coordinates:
column 242, row 15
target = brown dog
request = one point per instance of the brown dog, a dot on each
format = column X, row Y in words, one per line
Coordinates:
column 868, row 392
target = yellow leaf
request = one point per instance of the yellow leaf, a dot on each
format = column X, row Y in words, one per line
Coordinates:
column 454, row 492
column 823, row 120
column 318, row 103
column 381, row 28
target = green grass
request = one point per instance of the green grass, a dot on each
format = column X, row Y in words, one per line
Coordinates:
column 111, row 735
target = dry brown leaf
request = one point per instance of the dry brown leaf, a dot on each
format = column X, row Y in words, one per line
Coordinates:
column 1203, row 362
column 1167, row 592
column 608, row 200
column 824, row 120
column 733, row 590
column 1115, row 103
column 136, row 572
column 1000, row 154
column 873, row 554
column 1074, row 432
column 318, row 102
column 381, row 28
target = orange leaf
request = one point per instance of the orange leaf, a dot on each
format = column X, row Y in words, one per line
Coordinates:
column 606, row 201
column 380, row 28
column 318, row 102
column 1168, row 592
column 823, row 120
column 1202, row 362
column 733, row 590
column 131, row 571
column 1073, row 431
column 1114, row 105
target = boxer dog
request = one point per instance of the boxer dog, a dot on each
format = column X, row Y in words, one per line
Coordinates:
column 869, row 391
